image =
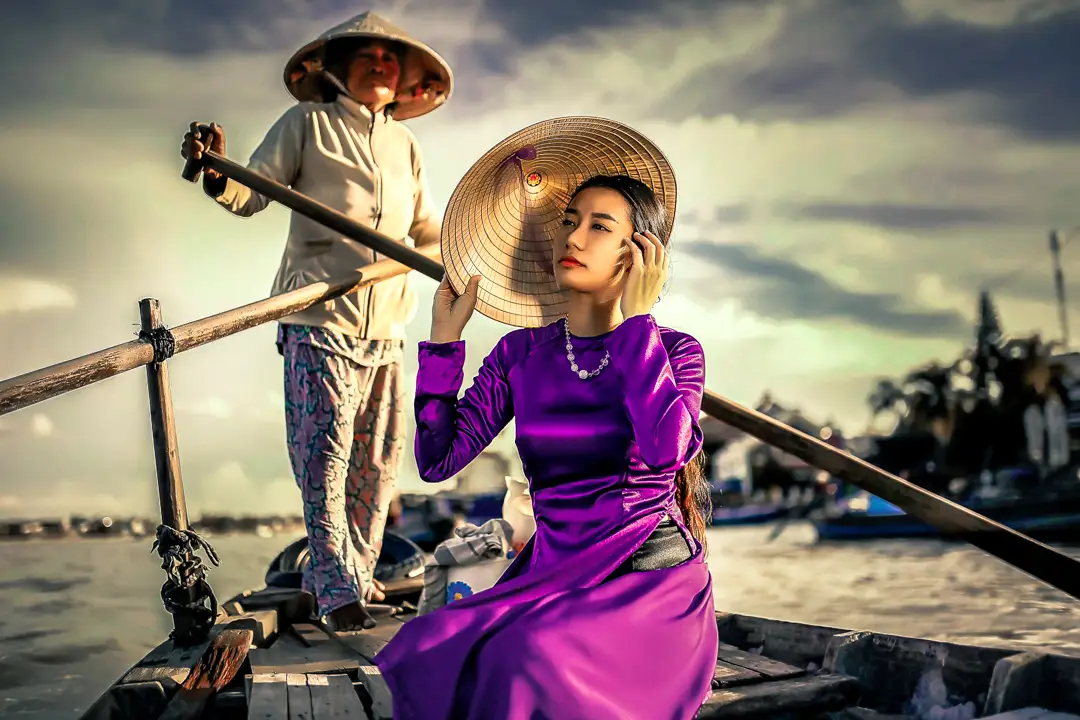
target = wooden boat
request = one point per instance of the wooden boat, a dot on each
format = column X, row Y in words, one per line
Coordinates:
column 296, row 668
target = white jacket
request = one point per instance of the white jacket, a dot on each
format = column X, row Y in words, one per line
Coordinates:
column 366, row 167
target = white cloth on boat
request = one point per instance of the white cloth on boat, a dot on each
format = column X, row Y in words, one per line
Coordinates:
column 470, row 544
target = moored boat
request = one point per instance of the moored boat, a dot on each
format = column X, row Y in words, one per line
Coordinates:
column 295, row 667
column 1050, row 513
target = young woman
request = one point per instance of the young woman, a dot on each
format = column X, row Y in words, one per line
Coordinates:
column 608, row 611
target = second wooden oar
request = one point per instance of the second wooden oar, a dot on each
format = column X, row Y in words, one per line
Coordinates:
column 954, row 521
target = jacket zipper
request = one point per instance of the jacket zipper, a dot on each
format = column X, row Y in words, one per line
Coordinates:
column 378, row 217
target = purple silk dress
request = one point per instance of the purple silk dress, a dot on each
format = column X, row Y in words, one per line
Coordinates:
column 557, row 638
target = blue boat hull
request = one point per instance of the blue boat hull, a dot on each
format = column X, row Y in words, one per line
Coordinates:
column 748, row 515
column 1049, row 519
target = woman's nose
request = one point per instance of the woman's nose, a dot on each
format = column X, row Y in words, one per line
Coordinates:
column 575, row 239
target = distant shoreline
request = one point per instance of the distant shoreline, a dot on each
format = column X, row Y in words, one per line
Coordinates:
column 96, row 528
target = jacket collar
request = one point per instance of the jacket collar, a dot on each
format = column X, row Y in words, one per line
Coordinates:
column 360, row 112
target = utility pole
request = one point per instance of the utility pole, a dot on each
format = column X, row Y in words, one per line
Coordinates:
column 1059, row 282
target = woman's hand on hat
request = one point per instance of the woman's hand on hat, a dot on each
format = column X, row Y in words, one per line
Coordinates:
column 646, row 274
column 450, row 312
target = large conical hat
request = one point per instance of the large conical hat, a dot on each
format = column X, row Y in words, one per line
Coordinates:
column 426, row 79
column 502, row 218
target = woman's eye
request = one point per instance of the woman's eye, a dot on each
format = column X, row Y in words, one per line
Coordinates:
column 567, row 223
column 600, row 227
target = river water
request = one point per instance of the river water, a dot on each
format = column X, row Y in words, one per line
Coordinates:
column 76, row 614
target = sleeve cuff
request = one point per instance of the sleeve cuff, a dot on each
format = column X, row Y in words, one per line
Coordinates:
column 440, row 368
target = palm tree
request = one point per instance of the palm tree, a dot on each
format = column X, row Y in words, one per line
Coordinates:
column 885, row 397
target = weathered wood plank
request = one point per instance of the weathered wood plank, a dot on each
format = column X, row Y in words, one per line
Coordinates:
column 333, row 697
column 382, row 704
column 1018, row 681
column 758, row 663
column 269, row 697
column 369, row 642
column 791, row 642
column 266, row 625
column 306, row 650
column 291, row 605
column 727, row 675
column 299, row 696
column 892, row 665
column 170, row 665
column 813, row 693
column 216, row 668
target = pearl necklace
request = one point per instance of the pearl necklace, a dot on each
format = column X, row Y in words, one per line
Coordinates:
column 583, row 374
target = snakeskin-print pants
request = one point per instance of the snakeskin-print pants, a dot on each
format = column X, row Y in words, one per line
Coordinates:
column 346, row 433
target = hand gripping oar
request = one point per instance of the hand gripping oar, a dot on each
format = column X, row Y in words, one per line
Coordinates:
column 312, row 209
column 1034, row 558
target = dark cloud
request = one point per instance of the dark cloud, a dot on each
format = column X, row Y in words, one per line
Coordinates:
column 540, row 23
column 783, row 289
column 894, row 216
column 176, row 27
column 843, row 56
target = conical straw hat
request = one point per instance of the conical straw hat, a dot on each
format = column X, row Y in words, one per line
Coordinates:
column 502, row 218
column 426, row 79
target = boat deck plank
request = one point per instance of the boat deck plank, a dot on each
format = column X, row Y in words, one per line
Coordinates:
column 269, row 698
column 810, row 694
column 299, row 697
column 727, row 675
column 304, row 649
column 731, row 655
column 333, row 697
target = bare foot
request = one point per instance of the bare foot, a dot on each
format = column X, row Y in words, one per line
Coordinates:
column 378, row 594
column 350, row 618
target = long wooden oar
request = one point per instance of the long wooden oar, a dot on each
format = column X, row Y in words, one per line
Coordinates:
column 1022, row 552
column 314, row 210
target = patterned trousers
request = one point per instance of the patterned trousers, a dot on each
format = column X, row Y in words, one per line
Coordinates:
column 346, row 433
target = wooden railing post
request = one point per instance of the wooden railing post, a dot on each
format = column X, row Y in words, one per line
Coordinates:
column 186, row 594
column 170, row 482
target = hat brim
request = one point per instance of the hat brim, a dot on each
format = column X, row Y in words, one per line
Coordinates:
column 503, row 215
column 426, row 80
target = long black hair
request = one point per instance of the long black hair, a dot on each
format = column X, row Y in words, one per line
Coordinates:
column 648, row 214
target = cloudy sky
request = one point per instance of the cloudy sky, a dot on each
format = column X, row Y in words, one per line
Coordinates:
column 851, row 173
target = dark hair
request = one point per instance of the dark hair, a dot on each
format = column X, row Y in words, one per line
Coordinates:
column 648, row 214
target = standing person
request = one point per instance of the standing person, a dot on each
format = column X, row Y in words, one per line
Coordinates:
column 607, row 612
column 342, row 145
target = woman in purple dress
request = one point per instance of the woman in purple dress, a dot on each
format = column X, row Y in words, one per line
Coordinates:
column 608, row 610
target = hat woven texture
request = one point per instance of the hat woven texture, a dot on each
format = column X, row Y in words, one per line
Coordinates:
column 502, row 217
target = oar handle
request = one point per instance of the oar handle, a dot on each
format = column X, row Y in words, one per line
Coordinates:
column 323, row 214
column 193, row 168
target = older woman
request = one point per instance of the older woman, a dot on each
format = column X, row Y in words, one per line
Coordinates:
column 342, row 145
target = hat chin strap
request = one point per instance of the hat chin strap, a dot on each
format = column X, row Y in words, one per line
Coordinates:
column 388, row 110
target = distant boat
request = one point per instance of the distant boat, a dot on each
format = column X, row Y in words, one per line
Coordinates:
column 1051, row 514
